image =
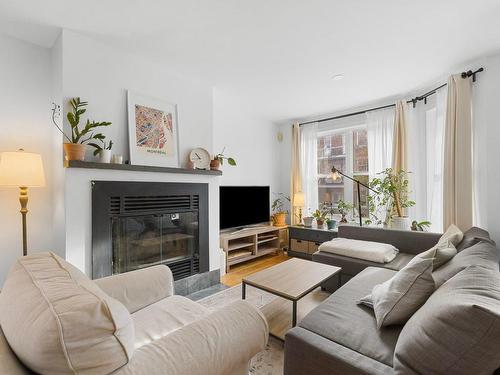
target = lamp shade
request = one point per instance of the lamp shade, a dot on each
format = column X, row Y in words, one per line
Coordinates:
column 22, row 169
column 299, row 199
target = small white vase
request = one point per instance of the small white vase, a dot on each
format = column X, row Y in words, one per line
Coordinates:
column 401, row 223
column 308, row 221
column 105, row 156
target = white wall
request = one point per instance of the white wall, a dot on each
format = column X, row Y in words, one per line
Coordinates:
column 250, row 139
column 25, row 122
column 101, row 75
column 487, row 144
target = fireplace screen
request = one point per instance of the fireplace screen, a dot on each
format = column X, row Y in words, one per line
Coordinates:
column 147, row 240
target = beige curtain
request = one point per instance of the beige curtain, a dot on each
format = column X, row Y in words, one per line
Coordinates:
column 296, row 181
column 457, row 182
column 399, row 145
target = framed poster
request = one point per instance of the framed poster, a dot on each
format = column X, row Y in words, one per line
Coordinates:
column 153, row 133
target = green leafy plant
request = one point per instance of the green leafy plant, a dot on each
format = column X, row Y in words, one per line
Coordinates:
column 422, row 226
column 220, row 157
column 278, row 205
column 87, row 134
column 393, row 193
column 344, row 208
column 102, row 146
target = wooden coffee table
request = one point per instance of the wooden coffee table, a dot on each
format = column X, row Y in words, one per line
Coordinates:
column 292, row 280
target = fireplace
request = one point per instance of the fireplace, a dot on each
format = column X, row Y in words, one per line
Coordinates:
column 141, row 224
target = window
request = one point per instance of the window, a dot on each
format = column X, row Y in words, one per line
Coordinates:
column 347, row 150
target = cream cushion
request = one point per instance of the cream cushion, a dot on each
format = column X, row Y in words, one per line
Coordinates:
column 445, row 249
column 396, row 300
column 164, row 317
column 452, row 234
column 57, row 321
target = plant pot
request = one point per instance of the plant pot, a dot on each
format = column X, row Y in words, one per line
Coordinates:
column 331, row 224
column 279, row 219
column 75, row 151
column 215, row 164
column 402, row 223
column 308, row 221
column 320, row 222
column 105, row 156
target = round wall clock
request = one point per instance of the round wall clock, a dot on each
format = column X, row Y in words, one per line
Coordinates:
column 200, row 158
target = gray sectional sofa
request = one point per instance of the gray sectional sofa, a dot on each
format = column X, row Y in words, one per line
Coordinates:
column 457, row 331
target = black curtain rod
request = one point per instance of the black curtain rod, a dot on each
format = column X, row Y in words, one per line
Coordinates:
column 414, row 101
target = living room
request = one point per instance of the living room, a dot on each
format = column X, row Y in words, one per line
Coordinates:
column 249, row 188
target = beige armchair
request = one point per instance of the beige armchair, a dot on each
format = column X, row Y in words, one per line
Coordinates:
column 151, row 332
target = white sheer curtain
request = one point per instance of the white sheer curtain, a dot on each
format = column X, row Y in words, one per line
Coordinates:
column 426, row 124
column 309, row 165
column 380, row 133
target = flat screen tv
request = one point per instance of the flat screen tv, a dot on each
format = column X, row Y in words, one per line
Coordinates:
column 243, row 205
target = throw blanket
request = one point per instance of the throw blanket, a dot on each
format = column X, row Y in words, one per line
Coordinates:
column 366, row 250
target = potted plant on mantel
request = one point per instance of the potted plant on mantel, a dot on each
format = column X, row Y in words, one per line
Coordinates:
column 393, row 194
column 103, row 150
column 279, row 211
column 76, row 146
column 218, row 160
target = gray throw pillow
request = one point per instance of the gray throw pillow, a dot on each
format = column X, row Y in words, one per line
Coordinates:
column 481, row 254
column 457, row 331
column 473, row 236
column 397, row 299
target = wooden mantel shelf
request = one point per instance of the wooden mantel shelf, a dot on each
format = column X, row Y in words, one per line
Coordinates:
column 137, row 168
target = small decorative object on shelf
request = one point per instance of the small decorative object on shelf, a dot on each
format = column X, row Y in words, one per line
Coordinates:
column 218, row 160
column 103, row 150
column 320, row 215
column 279, row 211
column 189, row 165
column 76, row 146
column 422, row 226
column 344, row 208
column 200, row 158
column 308, row 221
column 331, row 224
column 117, row 159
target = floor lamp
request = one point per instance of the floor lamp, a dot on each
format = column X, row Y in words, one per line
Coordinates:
column 335, row 175
column 23, row 170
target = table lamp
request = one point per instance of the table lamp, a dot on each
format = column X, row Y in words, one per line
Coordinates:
column 22, row 169
column 299, row 200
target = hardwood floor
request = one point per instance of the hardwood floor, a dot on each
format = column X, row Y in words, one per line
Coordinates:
column 239, row 271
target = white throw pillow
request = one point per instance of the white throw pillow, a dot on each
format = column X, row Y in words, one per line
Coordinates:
column 397, row 299
column 452, row 234
column 58, row 321
column 440, row 254
column 445, row 249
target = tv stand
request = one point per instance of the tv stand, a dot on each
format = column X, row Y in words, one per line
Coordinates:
column 250, row 243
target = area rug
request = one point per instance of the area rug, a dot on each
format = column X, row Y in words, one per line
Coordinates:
column 270, row 360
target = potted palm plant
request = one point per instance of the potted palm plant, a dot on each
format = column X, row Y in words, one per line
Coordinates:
column 393, row 188
column 77, row 144
column 279, row 210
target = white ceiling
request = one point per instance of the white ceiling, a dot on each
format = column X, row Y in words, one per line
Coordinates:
column 279, row 55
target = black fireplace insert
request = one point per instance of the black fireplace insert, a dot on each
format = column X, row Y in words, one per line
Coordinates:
column 141, row 224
